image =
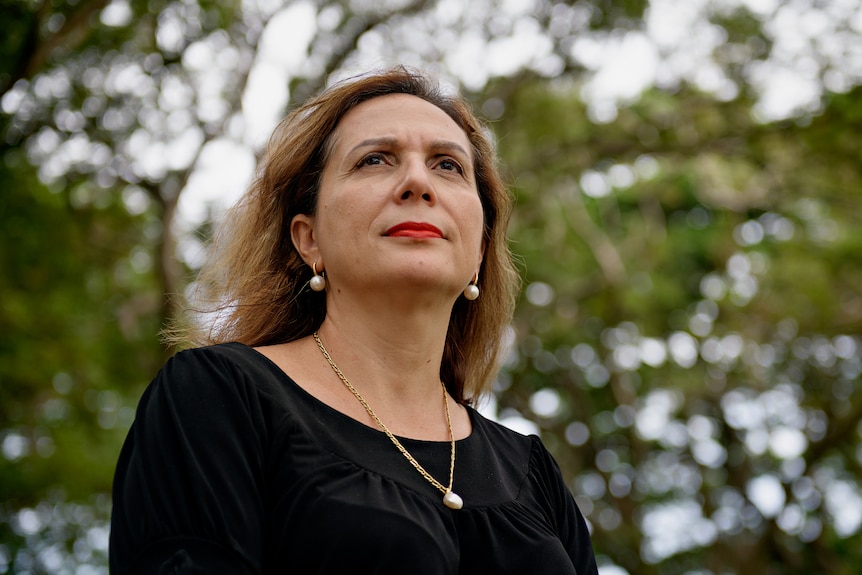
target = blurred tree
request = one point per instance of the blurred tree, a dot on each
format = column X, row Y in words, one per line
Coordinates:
column 79, row 308
column 691, row 325
column 688, row 340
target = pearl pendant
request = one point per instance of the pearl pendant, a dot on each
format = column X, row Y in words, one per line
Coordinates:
column 452, row 500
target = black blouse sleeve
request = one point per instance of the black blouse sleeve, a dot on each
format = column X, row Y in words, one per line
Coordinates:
column 188, row 490
column 570, row 523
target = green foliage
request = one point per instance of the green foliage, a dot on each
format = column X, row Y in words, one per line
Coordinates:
column 688, row 339
column 76, row 348
column 675, row 281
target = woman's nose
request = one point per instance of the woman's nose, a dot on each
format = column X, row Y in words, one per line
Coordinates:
column 417, row 183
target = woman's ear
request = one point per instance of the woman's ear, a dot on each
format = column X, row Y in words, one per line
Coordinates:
column 302, row 235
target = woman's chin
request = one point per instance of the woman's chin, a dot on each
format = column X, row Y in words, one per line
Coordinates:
column 416, row 285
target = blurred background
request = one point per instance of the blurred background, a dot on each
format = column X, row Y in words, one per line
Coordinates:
column 689, row 229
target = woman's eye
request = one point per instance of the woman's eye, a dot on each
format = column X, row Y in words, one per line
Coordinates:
column 372, row 160
column 450, row 165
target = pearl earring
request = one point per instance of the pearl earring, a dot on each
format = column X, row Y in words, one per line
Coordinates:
column 471, row 292
column 318, row 282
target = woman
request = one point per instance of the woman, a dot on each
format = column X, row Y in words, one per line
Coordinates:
column 365, row 283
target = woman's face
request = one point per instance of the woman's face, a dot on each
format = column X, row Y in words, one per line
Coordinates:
column 398, row 203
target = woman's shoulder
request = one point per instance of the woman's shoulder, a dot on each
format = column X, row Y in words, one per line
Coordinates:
column 509, row 447
column 220, row 353
column 223, row 358
column 496, row 431
column 225, row 369
column 525, row 449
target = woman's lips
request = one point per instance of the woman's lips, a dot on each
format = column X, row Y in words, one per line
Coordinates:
column 414, row 230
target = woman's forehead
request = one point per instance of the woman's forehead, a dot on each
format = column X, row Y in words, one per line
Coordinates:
column 396, row 117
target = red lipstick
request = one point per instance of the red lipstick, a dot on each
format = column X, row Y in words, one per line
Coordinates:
column 414, row 230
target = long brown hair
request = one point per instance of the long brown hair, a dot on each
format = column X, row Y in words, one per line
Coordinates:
column 254, row 285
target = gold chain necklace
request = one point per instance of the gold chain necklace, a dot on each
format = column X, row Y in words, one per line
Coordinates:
column 450, row 499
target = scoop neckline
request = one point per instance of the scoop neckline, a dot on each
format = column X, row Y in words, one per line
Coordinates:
column 320, row 404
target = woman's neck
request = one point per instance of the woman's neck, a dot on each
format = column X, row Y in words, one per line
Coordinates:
column 400, row 354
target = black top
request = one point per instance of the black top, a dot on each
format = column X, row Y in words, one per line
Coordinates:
column 230, row 467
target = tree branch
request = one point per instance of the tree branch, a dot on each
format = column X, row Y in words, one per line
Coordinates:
column 35, row 52
column 600, row 244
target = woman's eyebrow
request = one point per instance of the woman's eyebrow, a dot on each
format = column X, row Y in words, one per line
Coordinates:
column 386, row 141
column 447, row 146
column 372, row 142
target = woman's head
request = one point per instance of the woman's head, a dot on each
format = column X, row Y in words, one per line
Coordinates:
column 398, row 218
column 260, row 279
